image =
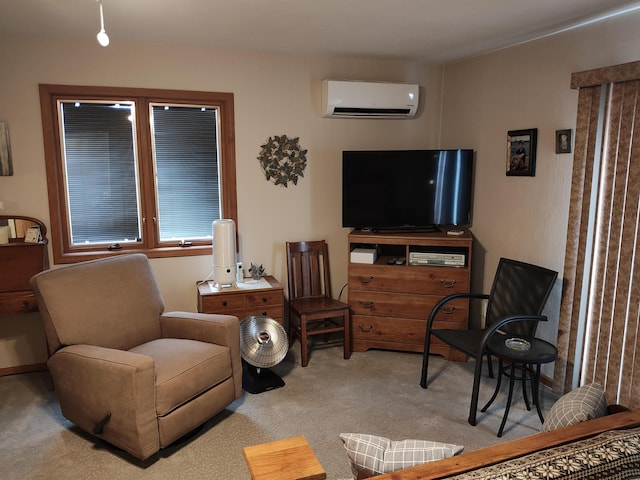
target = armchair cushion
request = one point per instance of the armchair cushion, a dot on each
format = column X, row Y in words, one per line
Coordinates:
column 218, row 329
column 184, row 369
column 93, row 303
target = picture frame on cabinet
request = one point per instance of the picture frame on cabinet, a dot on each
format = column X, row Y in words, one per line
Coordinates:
column 563, row 141
column 521, row 152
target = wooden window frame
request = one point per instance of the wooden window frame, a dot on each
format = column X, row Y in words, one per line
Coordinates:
column 63, row 251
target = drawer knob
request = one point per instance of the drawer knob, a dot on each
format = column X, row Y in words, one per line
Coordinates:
column 448, row 310
column 365, row 329
column 448, row 283
column 224, row 304
column 365, row 279
column 368, row 304
column 25, row 305
column 264, row 299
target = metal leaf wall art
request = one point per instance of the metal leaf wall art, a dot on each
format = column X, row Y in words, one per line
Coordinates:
column 283, row 160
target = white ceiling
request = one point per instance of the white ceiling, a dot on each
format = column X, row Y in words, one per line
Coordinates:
column 419, row 30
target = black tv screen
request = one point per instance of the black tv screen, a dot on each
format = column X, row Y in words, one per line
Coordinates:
column 406, row 189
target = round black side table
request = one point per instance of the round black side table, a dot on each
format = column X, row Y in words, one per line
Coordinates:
column 524, row 361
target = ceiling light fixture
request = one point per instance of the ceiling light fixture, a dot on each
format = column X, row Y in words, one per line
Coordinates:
column 103, row 38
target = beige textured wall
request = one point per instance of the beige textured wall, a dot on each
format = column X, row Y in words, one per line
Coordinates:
column 274, row 95
column 520, row 88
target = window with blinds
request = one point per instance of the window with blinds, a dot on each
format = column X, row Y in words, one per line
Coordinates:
column 100, row 172
column 185, row 154
column 137, row 169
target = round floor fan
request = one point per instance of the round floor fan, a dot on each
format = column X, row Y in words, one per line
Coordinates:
column 263, row 344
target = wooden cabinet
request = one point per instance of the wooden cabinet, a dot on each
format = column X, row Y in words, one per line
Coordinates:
column 23, row 253
column 19, row 261
column 264, row 297
column 390, row 302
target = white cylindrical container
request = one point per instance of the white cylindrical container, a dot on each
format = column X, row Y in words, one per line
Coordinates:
column 240, row 273
column 224, row 252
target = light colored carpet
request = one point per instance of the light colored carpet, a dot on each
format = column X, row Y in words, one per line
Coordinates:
column 374, row 392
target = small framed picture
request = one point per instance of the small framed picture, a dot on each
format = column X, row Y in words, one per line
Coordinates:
column 563, row 141
column 32, row 235
column 521, row 152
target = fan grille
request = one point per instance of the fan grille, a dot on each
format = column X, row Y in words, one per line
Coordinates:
column 263, row 341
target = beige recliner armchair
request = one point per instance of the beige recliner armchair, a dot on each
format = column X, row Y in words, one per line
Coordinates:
column 123, row 368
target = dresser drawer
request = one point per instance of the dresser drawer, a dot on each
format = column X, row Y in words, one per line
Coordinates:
column 263, row 298
column 394, row 329
column 222, row 303
column 388, row 328
column 407, row 306
column 273, row 311
column 439, row 281
column 17, row 302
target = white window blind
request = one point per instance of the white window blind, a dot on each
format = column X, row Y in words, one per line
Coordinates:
column 185, row 151
column 100, row 171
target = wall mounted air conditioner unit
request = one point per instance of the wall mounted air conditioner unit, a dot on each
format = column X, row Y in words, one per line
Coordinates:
column 356, row 99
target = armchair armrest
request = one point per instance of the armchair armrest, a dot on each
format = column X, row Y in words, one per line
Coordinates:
column 504, row 321
column 438, row 306
column 206, row 327
column 93, row 382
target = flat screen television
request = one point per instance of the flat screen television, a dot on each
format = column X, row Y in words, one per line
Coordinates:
column 388, row 190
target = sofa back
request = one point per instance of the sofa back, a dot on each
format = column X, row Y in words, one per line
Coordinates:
column 113, row 302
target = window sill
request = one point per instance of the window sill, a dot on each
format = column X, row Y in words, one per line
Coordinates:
column 162, row 252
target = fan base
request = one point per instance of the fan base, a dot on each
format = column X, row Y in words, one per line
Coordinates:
column 258, row 380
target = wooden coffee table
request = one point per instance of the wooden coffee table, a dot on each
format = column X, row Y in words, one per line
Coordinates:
column 288, row 459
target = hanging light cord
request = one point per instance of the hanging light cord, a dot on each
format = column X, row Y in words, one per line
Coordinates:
column 103, row 38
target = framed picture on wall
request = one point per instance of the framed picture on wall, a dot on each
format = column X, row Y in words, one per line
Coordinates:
column 563, row 141
column 521, row 152
column 6, row 166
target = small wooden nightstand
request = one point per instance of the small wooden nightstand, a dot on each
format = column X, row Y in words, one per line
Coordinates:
column 261, row 297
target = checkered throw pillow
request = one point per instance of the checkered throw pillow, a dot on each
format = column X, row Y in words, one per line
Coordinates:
column 372, row 455
column 583, row 403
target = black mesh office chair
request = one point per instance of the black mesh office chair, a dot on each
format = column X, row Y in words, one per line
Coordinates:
column 518, row 295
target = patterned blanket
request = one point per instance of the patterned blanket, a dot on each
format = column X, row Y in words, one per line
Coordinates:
column 611, row 455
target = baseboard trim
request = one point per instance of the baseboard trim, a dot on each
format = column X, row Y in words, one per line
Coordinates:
column 546, row 381
column 34, row 367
